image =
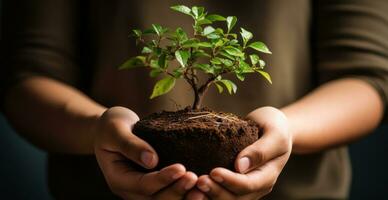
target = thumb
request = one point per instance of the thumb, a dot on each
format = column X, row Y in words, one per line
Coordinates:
column 137, row 150
column 258, row 153
column 116, row 126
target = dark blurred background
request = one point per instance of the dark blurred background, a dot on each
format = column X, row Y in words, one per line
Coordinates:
column 22, row 167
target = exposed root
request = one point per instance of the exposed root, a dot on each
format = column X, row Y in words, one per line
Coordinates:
column 209, row 114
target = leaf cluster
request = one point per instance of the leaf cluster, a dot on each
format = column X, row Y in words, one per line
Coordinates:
column 212, row 50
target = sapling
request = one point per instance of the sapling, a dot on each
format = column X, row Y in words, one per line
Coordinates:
column 199, row 138
column 215, row 51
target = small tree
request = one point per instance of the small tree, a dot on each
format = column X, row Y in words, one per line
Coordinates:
column 213, row 51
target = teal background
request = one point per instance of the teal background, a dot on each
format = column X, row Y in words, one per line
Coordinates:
column 22, row 167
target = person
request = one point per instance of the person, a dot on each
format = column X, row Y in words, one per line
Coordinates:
column 62, row 91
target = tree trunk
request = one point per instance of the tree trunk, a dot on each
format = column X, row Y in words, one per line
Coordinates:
column 197, row 100
column 198, row 97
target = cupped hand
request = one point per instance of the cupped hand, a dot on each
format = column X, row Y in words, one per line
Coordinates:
column 115, row 145
column 258, row 166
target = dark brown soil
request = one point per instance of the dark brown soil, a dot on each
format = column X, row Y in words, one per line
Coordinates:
column 199, row 139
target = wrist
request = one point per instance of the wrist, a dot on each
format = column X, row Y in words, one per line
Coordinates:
column 295, row 127
column 88, row 130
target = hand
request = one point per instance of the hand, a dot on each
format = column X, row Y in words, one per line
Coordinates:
column 115, row 145
column 258, row 165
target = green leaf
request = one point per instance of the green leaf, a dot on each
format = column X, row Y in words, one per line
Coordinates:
column 203, row 21
column 216, row 61
column 230, row 22
column 226, row 62
column 219, row 43
column 183, row 9
column 245, row 68
column 162, row 61
column 206, row 68
column 220, row 31
column 261, row 63
column 233, row 35
column 219, row 87
column 226, row 55
column 137, row 32
column 155, row 72
column 182, row 56
column 163, row 86
column 240, row 76
column 146, row 50
column 200, row 53
column 254, row 59
column 246, row 36
column 233, row 51
column 149, row 31
column 154, row 64
column 157, row 51
column 138, row 61
column 213, row 36
column 230, row 86
column 178, row 72
column 197, row 11
column 214, row 18
column 208, row 30
column 266, row 75
column 260, row 46
column 193, row 42
column 181, row 34
column 158, row 29
column 233, row 42
column 205, row 44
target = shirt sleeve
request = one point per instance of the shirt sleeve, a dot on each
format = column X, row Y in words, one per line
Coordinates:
column 38, row 38
column 351, row 40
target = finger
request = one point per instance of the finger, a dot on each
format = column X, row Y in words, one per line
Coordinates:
column 150, row 183
column 178, row 189
column 271, row 145
column 121, row 178
column 196, row 194
column 259, row 180
column 135, row 148
column 213, row 189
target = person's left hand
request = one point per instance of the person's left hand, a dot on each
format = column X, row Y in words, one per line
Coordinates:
column 258, row 165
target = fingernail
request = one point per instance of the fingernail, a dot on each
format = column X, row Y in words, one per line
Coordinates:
column 243, row 164
column 204, row 187
column 147, row 158
column 218, row 179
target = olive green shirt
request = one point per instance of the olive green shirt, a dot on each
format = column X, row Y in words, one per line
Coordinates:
column 83, row 42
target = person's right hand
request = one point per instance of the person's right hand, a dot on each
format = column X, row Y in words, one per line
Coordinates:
column 115, row 145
